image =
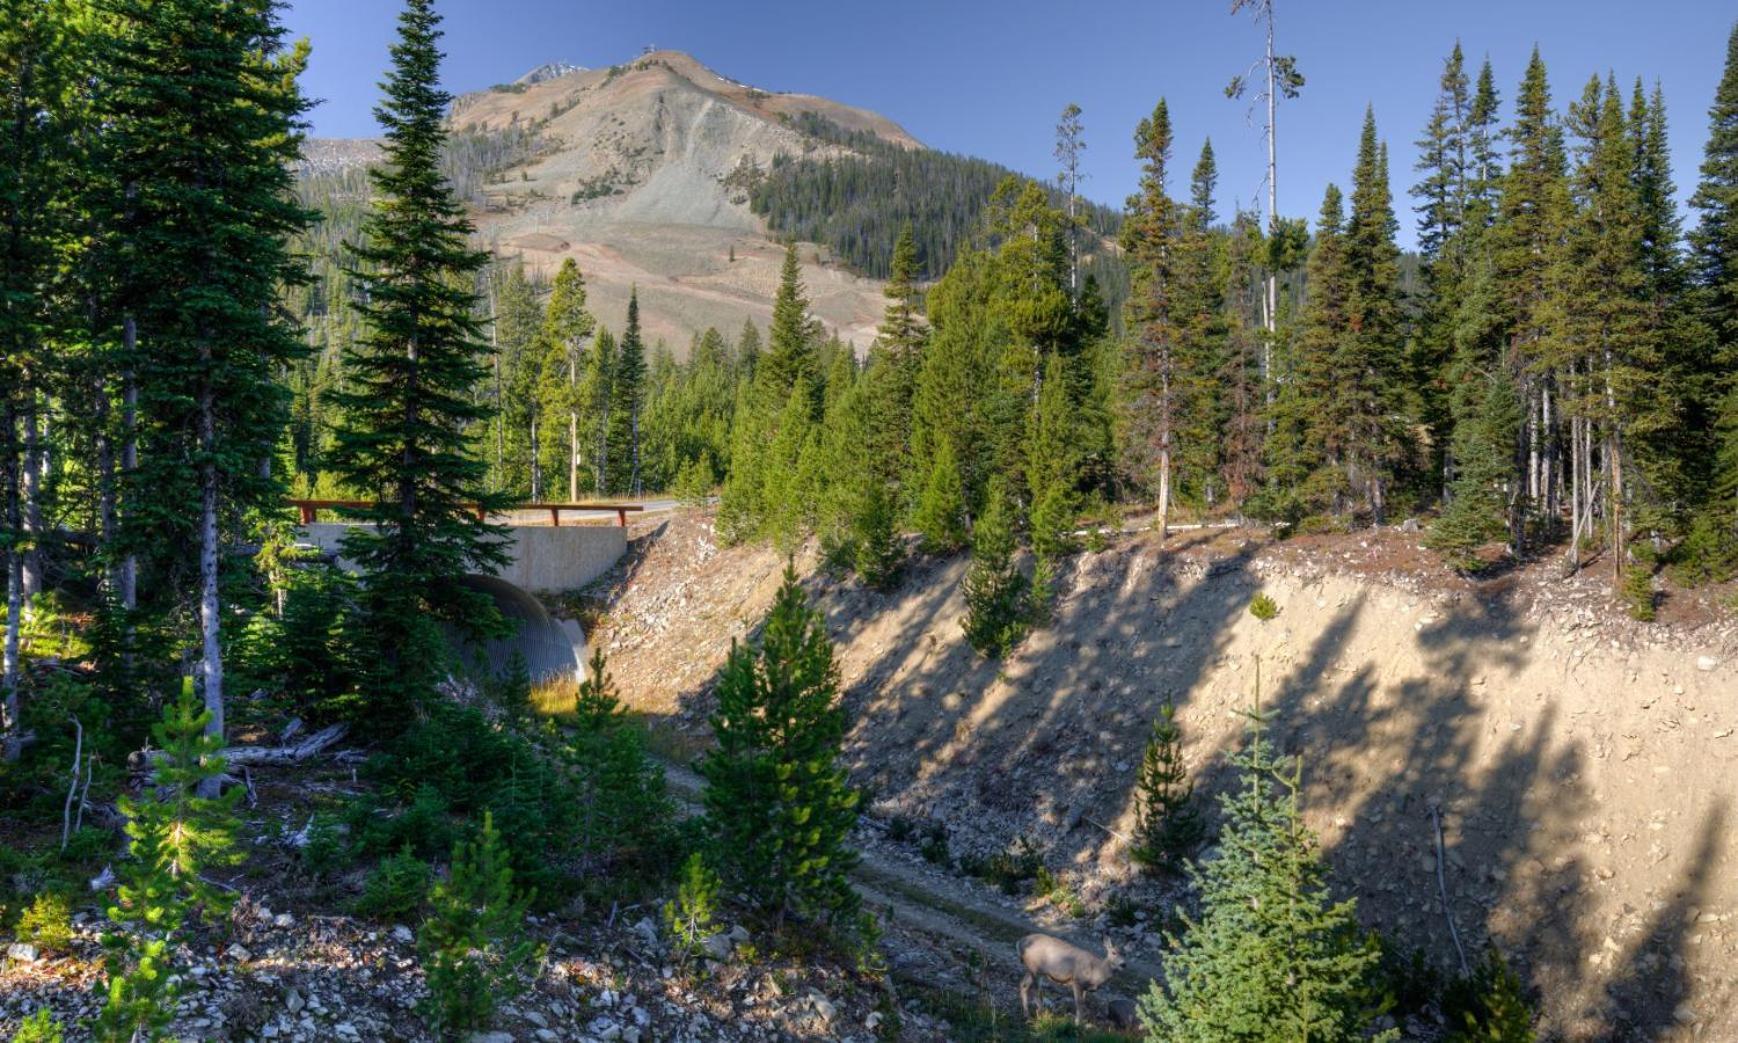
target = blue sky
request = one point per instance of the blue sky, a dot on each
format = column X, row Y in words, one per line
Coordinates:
column 988, row 78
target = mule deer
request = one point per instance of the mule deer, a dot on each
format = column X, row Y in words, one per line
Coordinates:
column 1064, row 964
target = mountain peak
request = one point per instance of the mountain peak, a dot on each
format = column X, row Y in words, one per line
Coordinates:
column 548, row 71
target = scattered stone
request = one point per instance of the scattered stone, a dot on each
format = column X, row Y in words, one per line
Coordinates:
column 1706, row 664
column 402, row 934
column 23, row 952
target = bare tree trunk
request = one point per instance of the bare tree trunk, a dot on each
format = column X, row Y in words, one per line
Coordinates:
column 536, row 463
column 1576, row 466
column 1270, row 317
column 572, row 427
column 129, row 452
column 211, row 658
column 634, row 434
column 33, row 460
column 10, row 490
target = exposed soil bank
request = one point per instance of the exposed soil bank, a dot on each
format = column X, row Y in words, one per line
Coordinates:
column 1586, row 767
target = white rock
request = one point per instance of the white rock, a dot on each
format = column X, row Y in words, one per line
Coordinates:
column 401, row 933
column 23, row 952
column 1706, row 664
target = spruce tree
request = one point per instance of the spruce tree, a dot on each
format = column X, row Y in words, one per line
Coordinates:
column 566, row 327
column 597, row 401
column 410, row 376
column 791, row 359
column 940, row 515
column 1150, row 235
column 778, row 805
column 1369, row 365
column 1168, row 823
column 1272, row 956
column 1482, row 494
column 37, row 69
column 627, row 400
column 997, row 594
column 1053, row 464
column 202, row 108
column 1714, row 261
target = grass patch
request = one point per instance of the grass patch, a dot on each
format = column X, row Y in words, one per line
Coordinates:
column 974, row 1019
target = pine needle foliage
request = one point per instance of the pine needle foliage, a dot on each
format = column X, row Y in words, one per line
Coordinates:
column 778, row 806
column 1168, row 823
column 998, row 595
column 689, row 916
column 473, row 943
column 1272, row 956
column 1490, row 1006
column 175, row 835
column 407, row 401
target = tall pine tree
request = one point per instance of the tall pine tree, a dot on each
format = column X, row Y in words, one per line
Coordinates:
column 409, row 400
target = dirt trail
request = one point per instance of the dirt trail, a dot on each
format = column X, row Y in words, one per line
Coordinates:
column 950, row 909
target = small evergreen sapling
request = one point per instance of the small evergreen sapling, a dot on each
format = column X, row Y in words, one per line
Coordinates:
column 473, row 943
column 1488, row 1007
column 1168, row 824
column 39, row 1028
column 1272, row 955
column 175, row 836
column 689, row 917
column 941, row 509
column 778, row 806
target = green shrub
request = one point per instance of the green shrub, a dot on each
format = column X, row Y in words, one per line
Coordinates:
column 1708, row 553
column 473, row 943
column 1488, row 1007
column 47, row 924
column 689, row 916
column 934, row 847
column 1406, row 985
column 324, row 851
column 395, row 886
column 1263, row 607
column 1008, row 869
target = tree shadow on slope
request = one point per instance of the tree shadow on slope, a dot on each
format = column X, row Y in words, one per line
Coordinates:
column 1047, row 739
column 1514, row 810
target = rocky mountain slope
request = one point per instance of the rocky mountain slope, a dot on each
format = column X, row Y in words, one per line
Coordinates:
column 638, row 172
column 1584, row 768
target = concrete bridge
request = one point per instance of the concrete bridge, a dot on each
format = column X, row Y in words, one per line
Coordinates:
column 544, row 556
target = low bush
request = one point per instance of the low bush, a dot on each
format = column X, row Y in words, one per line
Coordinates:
column 395, row 886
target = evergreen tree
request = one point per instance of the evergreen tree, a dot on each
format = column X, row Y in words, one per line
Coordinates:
column 201, row 103
column 597, row 401
column 895, row 360
column 1052, row 463
column 37, row 68
column 174, row 836
column 1444, row 197
column 1527, row 256
column 473, row 942
column 1272, row 955
column 521, row 358
column 940, row 516
column 627, row 400
column 566, row 327
column 1311, row 425
column 1714, row 261
column 408, row 401
column 791, row 359
column 778, row 806
column 1482, row 491
column 1168, row 824
column 1370, row 365
column 1150, row 236
column 997, row 594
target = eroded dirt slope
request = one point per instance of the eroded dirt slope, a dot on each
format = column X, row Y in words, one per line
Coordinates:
column 1585, row 767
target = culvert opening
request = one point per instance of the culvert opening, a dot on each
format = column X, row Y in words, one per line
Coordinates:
column 553, row 649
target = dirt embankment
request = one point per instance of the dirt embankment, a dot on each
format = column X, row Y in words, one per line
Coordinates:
column 1585, row 767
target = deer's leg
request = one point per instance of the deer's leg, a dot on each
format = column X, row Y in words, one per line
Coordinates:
column 1026, row 984
column 1077, row 992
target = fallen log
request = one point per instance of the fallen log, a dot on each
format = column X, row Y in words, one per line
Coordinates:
column 291, row 753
